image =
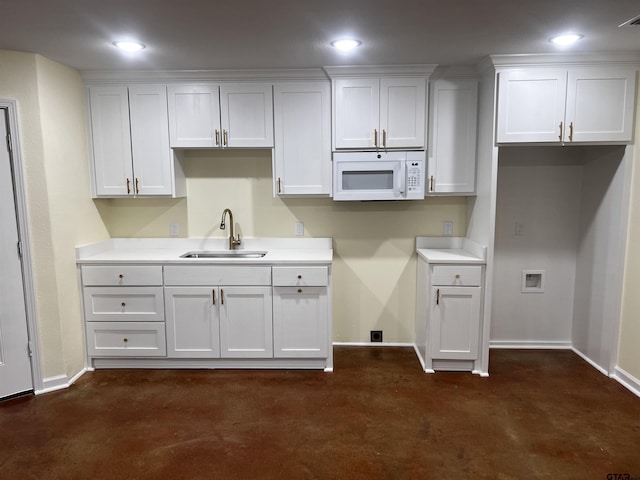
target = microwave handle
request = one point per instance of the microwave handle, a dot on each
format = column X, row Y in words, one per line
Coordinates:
column 402, row 181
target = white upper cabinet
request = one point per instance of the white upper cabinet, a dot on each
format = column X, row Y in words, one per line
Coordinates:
column 452, row 136
column 228, row 115
column 379, row 112
column 246, row 112
column 130, row 137
column 600, row 105
column 111, row 138
column 194, row 116
column 553, row 105
column 402, row 112
column 302, row 124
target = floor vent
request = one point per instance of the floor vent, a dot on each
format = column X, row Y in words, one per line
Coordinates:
column 632, row 22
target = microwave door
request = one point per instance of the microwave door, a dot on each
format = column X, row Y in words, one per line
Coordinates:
column 368, row 181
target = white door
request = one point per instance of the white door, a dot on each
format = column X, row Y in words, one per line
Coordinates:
column 152, row 157
column 357, row 113
column 194, row 116
column 111, row 135
column 300, row 316
column 455, row 323
column 246, row 115
column 193, row 322
column 403, row 104
column 452, row 144
column 600, row 105
column 531, row 104
column 15, row 366
column 245, row 322
column 302, row 123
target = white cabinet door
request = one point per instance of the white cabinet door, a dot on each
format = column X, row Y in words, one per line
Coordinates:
column 193, row 322
column 302, row 124
column 246, row 329
column 455, row 322
column 531, row 105
column 247, row 115
column 452, row 142
column 300, row 316
column 194, row 116
column 402, row 112
column 600, row 105
column 357, row 113
column 152, row 157
column 112, row 160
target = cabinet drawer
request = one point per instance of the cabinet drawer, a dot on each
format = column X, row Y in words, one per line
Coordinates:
column 126, row 339
column 117, row 304
column 463, row 275
column 216, row 275
column 121, row 275
column 300, row 276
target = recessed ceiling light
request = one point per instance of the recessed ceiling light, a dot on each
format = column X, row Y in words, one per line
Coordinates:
column 129, row 46
column 346, row 44
column 566, row 39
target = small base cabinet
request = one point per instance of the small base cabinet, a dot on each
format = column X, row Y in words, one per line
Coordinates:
column 449, row 316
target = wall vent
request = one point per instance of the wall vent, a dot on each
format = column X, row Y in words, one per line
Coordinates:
column 632, row 22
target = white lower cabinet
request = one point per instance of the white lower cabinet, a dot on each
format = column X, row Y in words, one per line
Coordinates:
column 207, row 315
column 124, row 311
column 449, row 315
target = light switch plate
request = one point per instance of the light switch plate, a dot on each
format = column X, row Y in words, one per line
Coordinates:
column 447, row 227
column 174, row 229
column 299, row 229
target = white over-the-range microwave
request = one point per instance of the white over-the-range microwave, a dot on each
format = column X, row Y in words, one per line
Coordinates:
column 378, row 175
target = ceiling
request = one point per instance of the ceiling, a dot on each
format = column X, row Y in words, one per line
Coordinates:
column 250, row 34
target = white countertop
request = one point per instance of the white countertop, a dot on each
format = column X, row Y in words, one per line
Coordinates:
column 308, row 251
column 451, row 250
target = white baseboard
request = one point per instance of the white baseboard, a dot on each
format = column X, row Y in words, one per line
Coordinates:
column 627, row 380
column 372, row 344
column 59, row 382
column 589, row 361
column 535, row 344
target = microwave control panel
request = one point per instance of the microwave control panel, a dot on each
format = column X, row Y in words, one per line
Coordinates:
column 414, row 170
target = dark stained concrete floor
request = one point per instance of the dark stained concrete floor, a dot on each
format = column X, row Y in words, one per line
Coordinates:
column 541, row 414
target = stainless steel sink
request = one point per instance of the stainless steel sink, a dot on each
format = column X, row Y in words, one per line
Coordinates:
column 223, row 254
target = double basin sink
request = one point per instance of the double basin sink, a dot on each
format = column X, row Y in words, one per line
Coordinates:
column 223, row 254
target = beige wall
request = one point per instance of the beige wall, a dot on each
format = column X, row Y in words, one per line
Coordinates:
column 374, row 242
column 61, row 214
column 629, row 355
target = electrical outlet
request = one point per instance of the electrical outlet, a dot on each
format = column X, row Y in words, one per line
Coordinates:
column 376, row 336
column 174, row 229
column 447, row 227
column 519, row 229
column 299, row 229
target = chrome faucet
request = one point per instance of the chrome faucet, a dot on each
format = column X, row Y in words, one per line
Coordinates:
column 233, row 242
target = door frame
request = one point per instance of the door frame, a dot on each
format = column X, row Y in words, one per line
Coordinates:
column 23, row 233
